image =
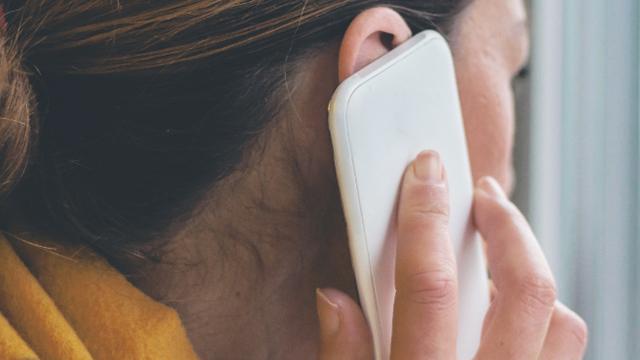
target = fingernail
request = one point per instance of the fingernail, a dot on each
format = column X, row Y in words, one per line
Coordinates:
column 428, row 167
column 490, row 186
column 328, row 313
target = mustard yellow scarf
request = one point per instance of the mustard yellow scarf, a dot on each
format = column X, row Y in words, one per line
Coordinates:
column 67, row 304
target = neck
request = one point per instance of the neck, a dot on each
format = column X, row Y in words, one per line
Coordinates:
column 243, row 274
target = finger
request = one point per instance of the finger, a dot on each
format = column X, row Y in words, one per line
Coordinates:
column 526, row 291
column 344, row 334
column 425, row 311
column 567, row 336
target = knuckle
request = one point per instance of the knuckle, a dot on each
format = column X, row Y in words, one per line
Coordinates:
column 576, row 328
column 538, row 294
column 435, row 288
column 417, row 222
column 580, row 331
column 434, row 211
column 426, row 206
column 429, row 199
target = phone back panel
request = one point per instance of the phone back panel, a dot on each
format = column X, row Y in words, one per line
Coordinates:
column 380, row 119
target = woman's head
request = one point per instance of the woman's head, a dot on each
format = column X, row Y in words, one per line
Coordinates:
column 126, row 113
column 201, row 126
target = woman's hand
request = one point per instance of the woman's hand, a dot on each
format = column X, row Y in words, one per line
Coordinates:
column 524, row 320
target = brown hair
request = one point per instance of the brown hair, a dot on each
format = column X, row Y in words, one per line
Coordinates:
column 143, row 105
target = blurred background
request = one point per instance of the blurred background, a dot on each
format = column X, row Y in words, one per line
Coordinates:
column 577, row 155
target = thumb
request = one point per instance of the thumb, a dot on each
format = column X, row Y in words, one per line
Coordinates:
column 344, row 334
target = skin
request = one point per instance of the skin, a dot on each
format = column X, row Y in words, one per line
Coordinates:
column 243, row 275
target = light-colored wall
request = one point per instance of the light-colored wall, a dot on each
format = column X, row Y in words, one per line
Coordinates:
column 582, row 196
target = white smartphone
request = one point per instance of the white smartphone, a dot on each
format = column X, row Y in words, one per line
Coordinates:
column 380, row 118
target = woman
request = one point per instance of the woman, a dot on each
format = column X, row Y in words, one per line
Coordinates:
column 186, row 143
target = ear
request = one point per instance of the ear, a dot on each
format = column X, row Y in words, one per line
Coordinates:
column 371, row 34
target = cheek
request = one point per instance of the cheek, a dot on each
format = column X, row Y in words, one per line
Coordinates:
column 487, row 106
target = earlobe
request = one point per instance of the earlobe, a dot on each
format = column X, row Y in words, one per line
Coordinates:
column 371, row 34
